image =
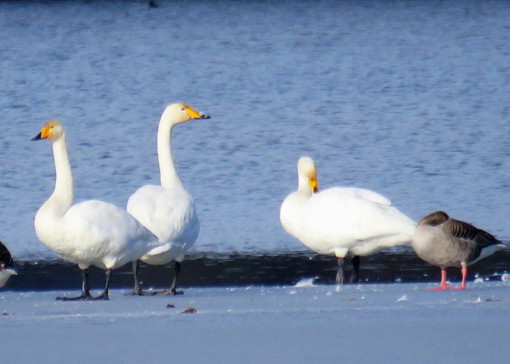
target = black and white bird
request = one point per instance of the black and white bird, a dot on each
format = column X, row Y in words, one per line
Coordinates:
column 445, row 242
column 6, row 265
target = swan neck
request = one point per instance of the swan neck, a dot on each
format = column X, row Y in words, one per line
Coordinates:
column 62, row 197
column 169, row 177
column 303, row 185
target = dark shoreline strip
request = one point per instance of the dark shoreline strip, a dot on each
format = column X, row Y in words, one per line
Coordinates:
column 239, row 269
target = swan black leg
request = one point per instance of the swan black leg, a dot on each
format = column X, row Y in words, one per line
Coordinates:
column 137, row 289
column 104, row 295
column 355, row 269
column 85, row 292
column 340, row 271
column 172, row 291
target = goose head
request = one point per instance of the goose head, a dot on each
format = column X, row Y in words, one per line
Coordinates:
column 308, row 173
column 179, row 113
column 435, row 219
column 52, row 130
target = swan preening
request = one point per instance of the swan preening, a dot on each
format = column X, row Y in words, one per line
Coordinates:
column 6, row 265
column 90, row 232
column 342, row 220
column 445, row 242
column 168, row 209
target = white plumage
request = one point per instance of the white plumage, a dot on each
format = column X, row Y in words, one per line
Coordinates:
column 167, row 210
column 91, row 232
column 170, row 214
column 338, row 221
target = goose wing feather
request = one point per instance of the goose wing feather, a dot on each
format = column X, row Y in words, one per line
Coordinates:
column 477, row 238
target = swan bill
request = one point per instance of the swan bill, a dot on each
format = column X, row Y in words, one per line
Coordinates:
column 37, row 137
column 312, row 180
column 193, row 114
column 48, row 132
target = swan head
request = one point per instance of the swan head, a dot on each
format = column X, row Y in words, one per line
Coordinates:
column 52, row 130
column 179, row 113
column 308, row 172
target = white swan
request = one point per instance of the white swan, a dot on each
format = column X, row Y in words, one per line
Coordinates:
column 88, row 233
column 6, row 262
column 168, row 209
column 338, row 221
column 445, row 242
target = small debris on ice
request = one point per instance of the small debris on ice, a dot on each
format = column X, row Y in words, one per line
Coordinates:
column 492, row 299
column 170, row 305
column 190, row 310
column 348, row 299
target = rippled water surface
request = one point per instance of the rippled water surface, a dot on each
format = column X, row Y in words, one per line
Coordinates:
column 408, row 98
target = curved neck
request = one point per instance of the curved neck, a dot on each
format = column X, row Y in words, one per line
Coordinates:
column 303, row 185
column 62, row 197
column 168, row 174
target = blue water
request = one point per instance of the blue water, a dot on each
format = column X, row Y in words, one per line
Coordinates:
column 408, row 98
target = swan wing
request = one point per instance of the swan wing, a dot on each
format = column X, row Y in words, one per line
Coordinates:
column 361, row 194
column 167, row 212
column 103, row 231
column 346, row 218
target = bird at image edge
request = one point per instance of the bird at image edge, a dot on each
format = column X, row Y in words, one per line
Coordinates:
column 87, row 233
column 167, row 210
column 342, row 220
column 6, row 265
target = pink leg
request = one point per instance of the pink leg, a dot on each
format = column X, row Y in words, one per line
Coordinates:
column 443, row 284
column 463, row 284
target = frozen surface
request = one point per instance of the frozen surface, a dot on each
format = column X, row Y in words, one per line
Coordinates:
column 306, row 323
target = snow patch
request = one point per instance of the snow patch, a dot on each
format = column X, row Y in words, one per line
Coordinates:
column 478, row 280
column 305, row 282
column 404, row 298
